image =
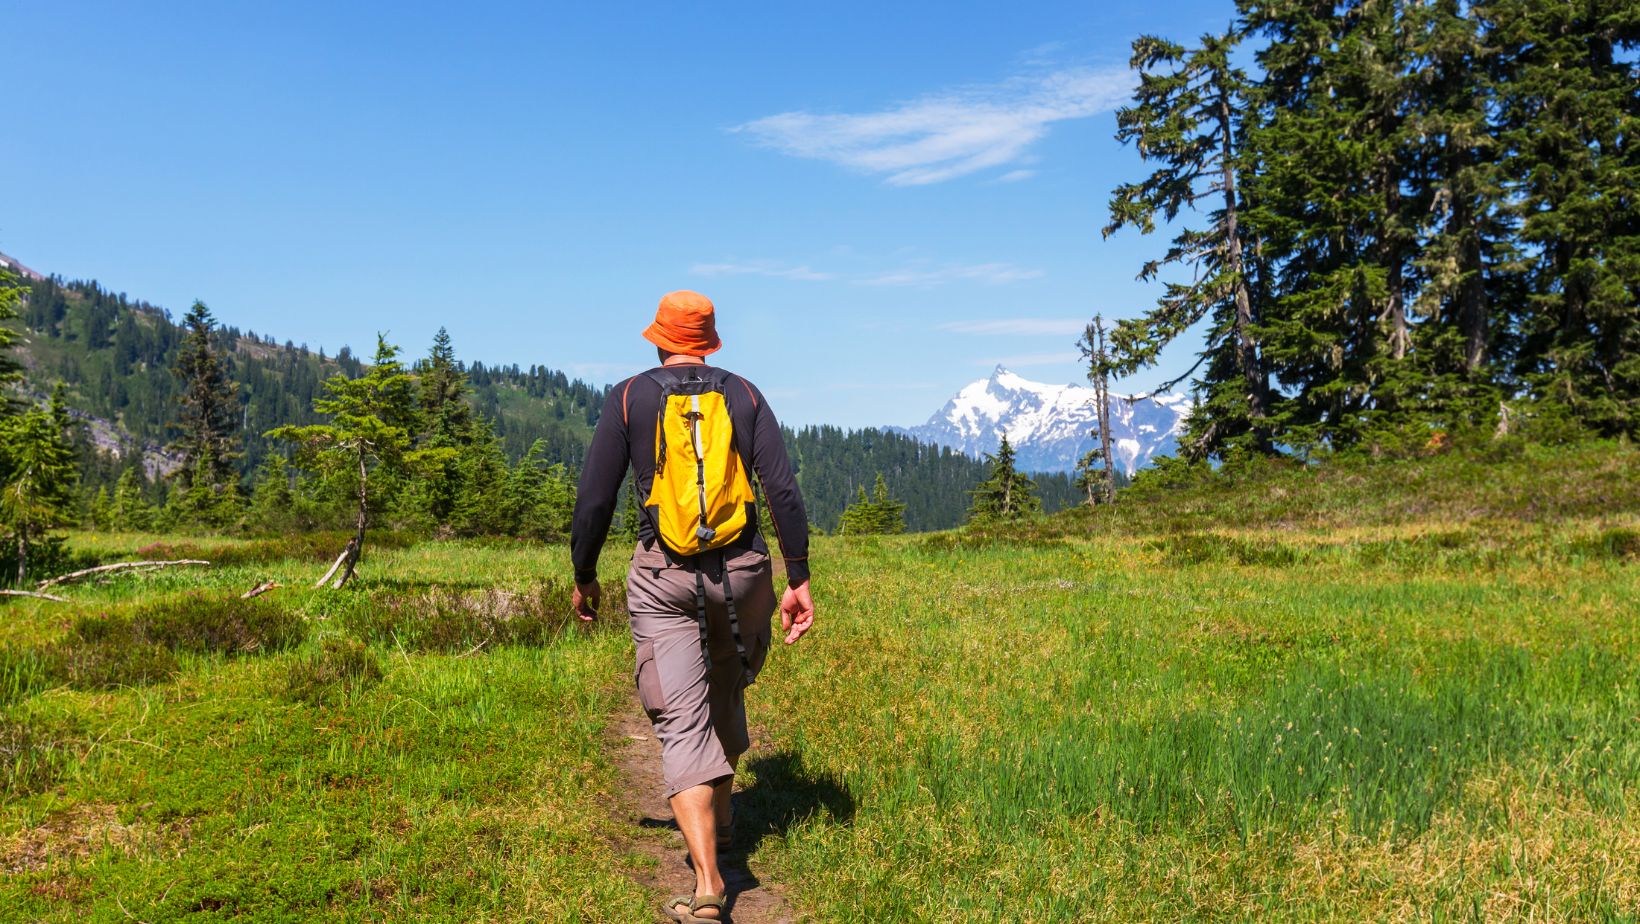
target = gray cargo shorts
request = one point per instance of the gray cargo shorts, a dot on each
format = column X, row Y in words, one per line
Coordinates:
column 699, row 714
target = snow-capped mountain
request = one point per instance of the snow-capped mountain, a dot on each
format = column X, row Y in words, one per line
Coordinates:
column 1050, row 426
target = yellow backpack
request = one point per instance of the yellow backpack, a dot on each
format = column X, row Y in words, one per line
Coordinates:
column 700, row 491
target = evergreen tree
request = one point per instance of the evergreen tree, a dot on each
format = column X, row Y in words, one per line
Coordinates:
column 1008, row 494
column 209, row 419
column 1569, row 117
column 11, row 370
column 273, row 504
column 40, row 477
column 877, row 514
column 481, row 480
column 1095, row 472
column 539, row 498
column 442, row 393
column 131, row 511
column 371, row 419
column 1189, row 116
column 100, row 511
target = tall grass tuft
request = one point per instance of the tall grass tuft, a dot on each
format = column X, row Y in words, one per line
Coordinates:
column 339, row 667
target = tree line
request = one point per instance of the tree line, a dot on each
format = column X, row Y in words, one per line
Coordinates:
column 239, row 433
column 1397, row 219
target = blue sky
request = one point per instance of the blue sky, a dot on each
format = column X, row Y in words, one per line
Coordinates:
column 884, row 200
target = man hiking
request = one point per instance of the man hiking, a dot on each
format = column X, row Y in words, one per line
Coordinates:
column 700, row 591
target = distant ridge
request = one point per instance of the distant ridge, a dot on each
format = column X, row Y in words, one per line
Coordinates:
column 1050, row 426
column 11, row 263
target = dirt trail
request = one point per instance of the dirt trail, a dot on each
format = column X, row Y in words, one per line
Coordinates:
column 641, row 805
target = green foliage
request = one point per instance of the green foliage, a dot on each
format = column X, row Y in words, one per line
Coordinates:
column 1412, row 215
column 1189, row 116
column 200, row 623
column 447, row 619
column 878, row 514
column 340, row 666
column 1007, row 494
column 539, row 499
column 114, row 352
column 11, row 370
column 32, row 757
column 38, row 477
column 210, row 412
column 131, row 512
column 371, row 420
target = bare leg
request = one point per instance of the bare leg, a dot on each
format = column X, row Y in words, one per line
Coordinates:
column 696, row 811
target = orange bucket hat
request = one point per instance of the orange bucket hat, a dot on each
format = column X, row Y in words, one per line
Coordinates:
column 685, row 323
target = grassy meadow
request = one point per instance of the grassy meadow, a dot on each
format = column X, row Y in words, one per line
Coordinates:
column 1404, row 691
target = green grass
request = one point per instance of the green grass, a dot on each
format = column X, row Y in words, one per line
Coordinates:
column 1385, row 700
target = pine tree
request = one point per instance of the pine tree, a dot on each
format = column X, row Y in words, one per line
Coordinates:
column 1008, row 494
column 209, row 419
column 11, row 370
column 1468, row 237
column 877, row 514
column 40, row 477
column 539, row 498
column 1189, row 115
column 371, row 419
column 100, row 511
column 273, row 503
column 1570, row 133
column 442, row 393
column 131, row 511
column 1098, row 483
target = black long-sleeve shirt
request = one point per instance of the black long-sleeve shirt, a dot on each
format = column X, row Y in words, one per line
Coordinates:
column 626, row 436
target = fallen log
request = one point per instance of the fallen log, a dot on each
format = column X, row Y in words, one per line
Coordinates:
column 259, row 589
column 29, row 593
column 117, row 566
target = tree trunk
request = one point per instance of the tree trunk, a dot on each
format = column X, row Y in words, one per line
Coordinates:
column 1246, row 349
column 1396, row 283
column 355, row 546
column 1101, row 395
column 1471, row 307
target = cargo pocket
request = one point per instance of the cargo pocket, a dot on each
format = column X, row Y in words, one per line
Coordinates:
column 648, row 678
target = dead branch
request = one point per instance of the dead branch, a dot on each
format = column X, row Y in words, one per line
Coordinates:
column 29, row 593
column 339, row 559
column 117, row 566
column 260, row 589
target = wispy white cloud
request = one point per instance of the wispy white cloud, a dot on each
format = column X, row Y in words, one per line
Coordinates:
column 920, row 273
column 1058, row 327
column 1014, row 176
column 946, row 135
column 760, row 268
column 1031, row 359
column 988, row 273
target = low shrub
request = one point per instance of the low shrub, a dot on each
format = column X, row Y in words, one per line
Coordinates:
column 446, row 619
column 23, row 673
column 31, row 758
column 199, row 623
column 314, row 546
column 109, row 663
column 1618, row 542
column 340, row 666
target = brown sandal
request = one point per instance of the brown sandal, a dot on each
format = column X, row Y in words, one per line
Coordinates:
column 693, row 904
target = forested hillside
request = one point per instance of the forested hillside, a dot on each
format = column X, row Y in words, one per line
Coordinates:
column 116, row 356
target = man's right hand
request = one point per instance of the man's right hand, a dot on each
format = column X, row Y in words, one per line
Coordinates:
column 796, row 612
column 585, row 599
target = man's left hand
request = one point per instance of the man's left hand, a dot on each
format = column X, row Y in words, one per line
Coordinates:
column 585, row 599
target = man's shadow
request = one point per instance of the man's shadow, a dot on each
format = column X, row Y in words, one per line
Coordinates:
column 786, row 793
